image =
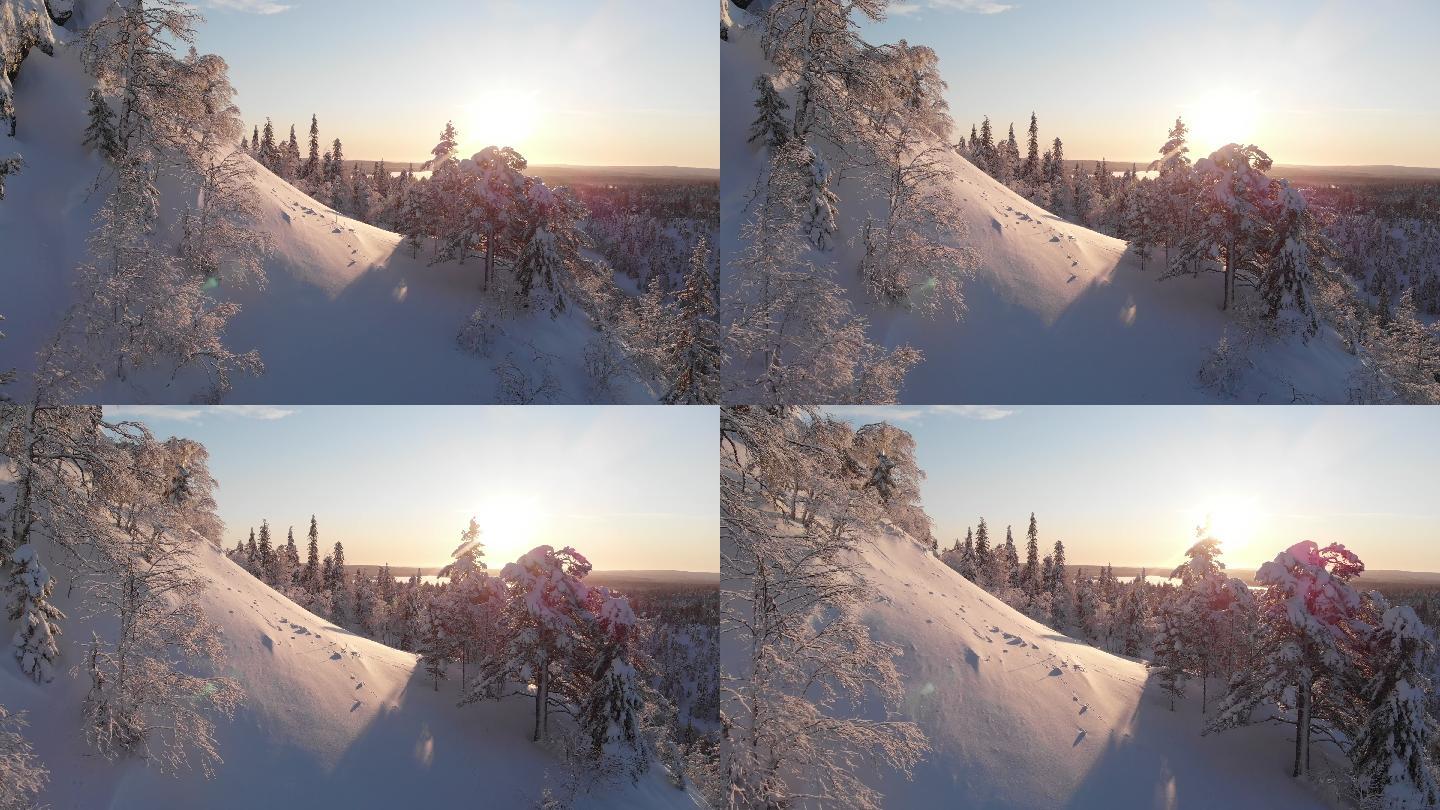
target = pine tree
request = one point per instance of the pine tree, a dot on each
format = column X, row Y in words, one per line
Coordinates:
column 35, row 641
column 1030, row 574
column 265, row 556
column 312, row 163
column 290, row 163
column 1393, row 753
column 695, row 355
column 1010, row 561
column 1030, row 170
column 100, row 132
column 255, row 142
column 984, row 558
column 771, row 125
column 268, row 155
column 1059, row 589
column 310, row 576
column 252, row 555
column 337, row 161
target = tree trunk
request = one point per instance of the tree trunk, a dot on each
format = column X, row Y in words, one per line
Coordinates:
column 541, row 698
column 1302, row 724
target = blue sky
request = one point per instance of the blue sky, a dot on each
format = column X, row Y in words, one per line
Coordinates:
column 1311, row 81
column 564, row 81
column 630, row 487
column 1127, row 485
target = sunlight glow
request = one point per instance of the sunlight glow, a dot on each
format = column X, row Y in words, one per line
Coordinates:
column 1235, row 523
column 504, row 116
column 1219, row 118
column 509, row 526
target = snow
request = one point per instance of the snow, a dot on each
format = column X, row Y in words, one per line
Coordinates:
column 330, row 720
column 1056, row 313
column 346, row 316
column 1021, row 716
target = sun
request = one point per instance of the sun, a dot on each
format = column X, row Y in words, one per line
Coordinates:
column 509, row 527
column 1220, row 118
column 1235, row 523
column 501, row 117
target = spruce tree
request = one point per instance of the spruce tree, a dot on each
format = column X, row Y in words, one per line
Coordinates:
column 312, row 163
column 311, row 574
column 1393, row 754
column 695, row 355
column 771, row 126
column 100, row 132
column 1031, row 168
column 35, row 639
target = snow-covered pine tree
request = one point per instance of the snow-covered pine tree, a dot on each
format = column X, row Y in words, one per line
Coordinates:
column 1031, row 582
column 269, row 154
column 311, row 169
column 1030, row 169
column 1307, row 614
column 35, row 641
column 611, row 713
column 1059, row 589
column 265, row 556
column 1009, row 566
column 984, row 557
column 1393, row 754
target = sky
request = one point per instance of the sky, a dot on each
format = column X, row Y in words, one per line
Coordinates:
column 587, row 82
column 629, row 487
column 1128, row 485
column 1313, row 82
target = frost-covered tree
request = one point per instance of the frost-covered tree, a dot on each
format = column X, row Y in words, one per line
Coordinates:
column 1393, row 754
column 24, row 25
column 1030, row 574
column 22, row 775
column 1205, row 622
column 265, row 555
column 35, row 639
column 155, row 687
column 694, row 356
column 1030, row 169
column 788, row 730
column 310, row 575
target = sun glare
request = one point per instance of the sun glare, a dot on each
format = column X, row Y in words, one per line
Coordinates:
column 1221, row 118
column 509, row 527
column 500, row 117
column 1235, row 524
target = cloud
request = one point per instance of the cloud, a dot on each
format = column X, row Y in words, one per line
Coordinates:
column 193, row 413
column 250, row 6
column 902, row 9
column 908, row 413
column 967, row 6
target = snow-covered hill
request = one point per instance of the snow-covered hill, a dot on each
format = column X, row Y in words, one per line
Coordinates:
column 346, row 316
column 1020, row 716
column 330, row 719
column 1057, row 313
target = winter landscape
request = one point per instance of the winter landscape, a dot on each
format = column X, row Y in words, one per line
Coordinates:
column 1079, row 608
column 180, row 224
column 1051, row 202
column 172, row 642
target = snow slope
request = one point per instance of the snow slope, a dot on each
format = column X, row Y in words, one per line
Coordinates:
column 330, row 720
column 347, row 315
column 1021, row 716
column 1057, row 313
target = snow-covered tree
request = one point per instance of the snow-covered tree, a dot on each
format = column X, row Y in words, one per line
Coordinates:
column 1308, row 614
column 155, row 687
column 311, row 574
column 1030, row 574
column 35, row 639
column 22, row 775
column 694, row 356
column 787, row 729
column 1393, row 754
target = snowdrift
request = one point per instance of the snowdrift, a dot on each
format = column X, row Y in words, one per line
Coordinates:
column 330, row 719
column 346, row 316
column 1057, row 313
column 1021, row 716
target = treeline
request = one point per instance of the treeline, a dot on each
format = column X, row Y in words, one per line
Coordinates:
column 107, row 511
column 535, row 630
